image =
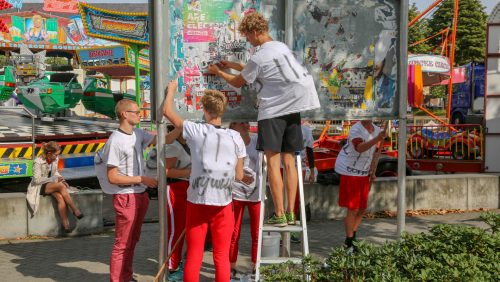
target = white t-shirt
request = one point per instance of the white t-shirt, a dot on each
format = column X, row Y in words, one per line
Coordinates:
column 125, row 151
column 284, row 86
column 201, row 189
column 241, row 191
column 175, row 150
column 308, row 139
column 349, row 161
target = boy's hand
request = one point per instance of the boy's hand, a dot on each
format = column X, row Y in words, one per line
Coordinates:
column 247, row 179
column 172, row 86
column 213, row 69
column 149, row 181
column 382, row 135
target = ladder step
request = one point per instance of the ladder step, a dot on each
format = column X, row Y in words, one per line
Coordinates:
column 273, row 260
column 288, row 228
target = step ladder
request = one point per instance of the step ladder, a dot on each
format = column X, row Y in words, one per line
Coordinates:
column 299, row 227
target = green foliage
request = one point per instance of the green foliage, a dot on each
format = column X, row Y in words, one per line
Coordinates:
column 439, row 91
column 492, row 219
column 418, row 31
column 471, row 30
column 446, row 253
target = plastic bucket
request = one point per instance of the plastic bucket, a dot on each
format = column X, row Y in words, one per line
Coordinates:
column 270, row 244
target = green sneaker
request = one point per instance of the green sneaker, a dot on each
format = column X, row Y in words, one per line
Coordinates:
column 290, row 218
column 278, row 221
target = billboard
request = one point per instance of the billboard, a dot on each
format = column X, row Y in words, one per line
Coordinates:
column 350, row 47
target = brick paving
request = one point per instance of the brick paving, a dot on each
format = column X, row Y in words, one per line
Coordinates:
column 87, row 258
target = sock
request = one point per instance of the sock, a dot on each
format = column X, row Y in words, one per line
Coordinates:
column 354, row 235
column 348, row 241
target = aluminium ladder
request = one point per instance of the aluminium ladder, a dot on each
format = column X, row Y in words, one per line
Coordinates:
column 285, row 231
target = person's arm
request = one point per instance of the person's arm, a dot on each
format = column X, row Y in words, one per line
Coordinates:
column 231, row 65
column 238, row 176
column 172, row 135
column 115, row 178
column 173, row 172
column 361, row 146
column 168, row 106
column 234, row 80
column 38, row 179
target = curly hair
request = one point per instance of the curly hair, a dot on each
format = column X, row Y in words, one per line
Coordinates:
column 214, row 102
column 253, row 22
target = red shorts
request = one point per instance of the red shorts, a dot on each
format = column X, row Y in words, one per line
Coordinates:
column 353, row 192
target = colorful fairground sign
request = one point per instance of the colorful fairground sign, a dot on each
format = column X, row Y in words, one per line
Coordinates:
column 113, row 25
column 115, row 61
column 40, row 30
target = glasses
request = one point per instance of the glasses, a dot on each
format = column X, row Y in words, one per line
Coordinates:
column 135, row 112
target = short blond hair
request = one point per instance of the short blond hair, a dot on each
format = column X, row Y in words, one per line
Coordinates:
column 122, row 106
column 214, row 102
column 253, row 22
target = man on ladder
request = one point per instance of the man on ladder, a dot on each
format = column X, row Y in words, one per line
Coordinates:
column 355, row 166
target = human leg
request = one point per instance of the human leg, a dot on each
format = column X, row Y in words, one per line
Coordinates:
column 221, row 227
column 176, row 219
column 291, row 180
column 238, row 210
column 61, row 208
column 142, row 203
column 61, row 188
column 254, row 212
column 275, row 181
column 353, row 194
column 125, row 213
column 197, row 218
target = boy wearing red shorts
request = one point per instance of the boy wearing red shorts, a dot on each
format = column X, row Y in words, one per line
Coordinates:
column 353, row 165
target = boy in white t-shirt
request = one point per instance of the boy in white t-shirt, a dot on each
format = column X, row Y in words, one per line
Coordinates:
column 216, row 161
column 127, row 184
column 246, row 193
column 285, row 88
column 353, row 164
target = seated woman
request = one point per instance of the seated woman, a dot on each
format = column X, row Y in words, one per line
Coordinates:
column 48, row 181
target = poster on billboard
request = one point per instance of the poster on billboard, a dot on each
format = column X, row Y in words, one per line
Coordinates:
column 204, row 32
column 351, row 48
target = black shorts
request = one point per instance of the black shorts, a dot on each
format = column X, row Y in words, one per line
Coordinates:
column 42, row 190
column 280, row 134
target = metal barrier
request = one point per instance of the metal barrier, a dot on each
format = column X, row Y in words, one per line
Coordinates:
column 33, row 145
column 466, row 142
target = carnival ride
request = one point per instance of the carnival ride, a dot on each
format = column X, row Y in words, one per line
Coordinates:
column 98, row 96
column 7, row 82
column 52, row 94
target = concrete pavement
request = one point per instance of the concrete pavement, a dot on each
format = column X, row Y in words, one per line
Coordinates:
column 87, row 258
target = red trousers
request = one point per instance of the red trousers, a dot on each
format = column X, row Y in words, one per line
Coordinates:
column 254, row 212
column 176, row 219
column 130, row 210
column 221, row 223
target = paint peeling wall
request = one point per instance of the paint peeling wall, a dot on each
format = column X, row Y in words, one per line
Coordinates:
column 351, row 48
column 204, row 32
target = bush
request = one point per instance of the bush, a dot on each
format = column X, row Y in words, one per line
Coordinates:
column 446, row 253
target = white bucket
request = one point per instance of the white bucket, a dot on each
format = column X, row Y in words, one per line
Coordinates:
column 271, row 244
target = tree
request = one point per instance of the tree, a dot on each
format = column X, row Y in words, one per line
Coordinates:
column 418, row 31
column 471, row 30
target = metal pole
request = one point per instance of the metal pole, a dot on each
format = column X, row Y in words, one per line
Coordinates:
column 136, row 48
column 289, row 24
column 452, row 59
column 160, row 46
column 403, row 92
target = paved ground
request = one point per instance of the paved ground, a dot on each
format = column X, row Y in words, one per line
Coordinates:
column 86, row 258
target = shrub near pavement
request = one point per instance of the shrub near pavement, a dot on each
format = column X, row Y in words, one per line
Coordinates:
column 446, row 253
